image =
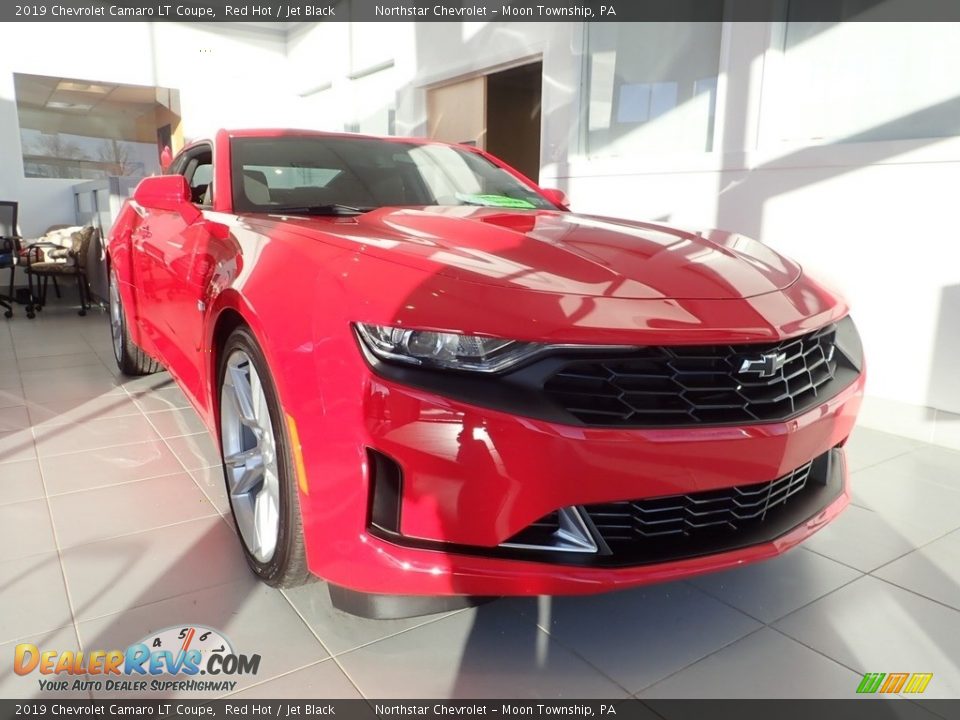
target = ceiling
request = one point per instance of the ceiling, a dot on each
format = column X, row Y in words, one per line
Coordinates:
column 85, row 96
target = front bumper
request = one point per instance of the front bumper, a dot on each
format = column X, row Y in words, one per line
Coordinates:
column 398, row 570
column 475, row 477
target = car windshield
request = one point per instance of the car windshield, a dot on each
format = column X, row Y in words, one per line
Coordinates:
column 345, row 175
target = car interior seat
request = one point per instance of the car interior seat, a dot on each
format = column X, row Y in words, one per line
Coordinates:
column 255, row 187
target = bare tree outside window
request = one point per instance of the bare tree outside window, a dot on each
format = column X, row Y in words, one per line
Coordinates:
column 117, row 158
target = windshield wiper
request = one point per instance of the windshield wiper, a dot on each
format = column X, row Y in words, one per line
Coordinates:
column 324, row 209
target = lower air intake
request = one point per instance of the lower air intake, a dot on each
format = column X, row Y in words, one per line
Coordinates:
column 632, row 532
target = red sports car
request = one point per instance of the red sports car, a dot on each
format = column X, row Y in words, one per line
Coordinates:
column 428, row 378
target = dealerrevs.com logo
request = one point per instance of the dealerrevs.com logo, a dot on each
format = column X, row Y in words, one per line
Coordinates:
column 166, row 661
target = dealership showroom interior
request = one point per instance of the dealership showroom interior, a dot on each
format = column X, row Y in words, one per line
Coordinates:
column 543, row 358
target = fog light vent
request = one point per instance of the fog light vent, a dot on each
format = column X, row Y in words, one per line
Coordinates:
column 386, row 486
column 560, row 531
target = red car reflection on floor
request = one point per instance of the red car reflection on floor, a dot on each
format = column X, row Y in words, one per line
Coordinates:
column 428, row 377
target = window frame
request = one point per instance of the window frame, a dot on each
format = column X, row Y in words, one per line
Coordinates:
column 183, row 165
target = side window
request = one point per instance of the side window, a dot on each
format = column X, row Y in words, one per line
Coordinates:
column 201, row 182
column 196, row 165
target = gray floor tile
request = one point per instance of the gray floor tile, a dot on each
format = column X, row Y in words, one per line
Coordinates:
column 20, row 481
column 121, row 573
column 865, row 539
column 253, row 617
column 764, row 664
column 63, row 412
column 168, row 397
column 932, row 571
column 946, row 431
column 174, row 423
column 195, row 451
column 10, row 396
column 72, row 389
column 28, row 686
column 340, row 631
column 641, row 636
column 939, row 465
column 107, row 466
column 33, row 378
column 25, row 529
column 49, row 348
column 873, row 626
column 321, row 680
column 868, row 447
column 92, row 515
column 17, row 446
column 769, row 590
column 492, row 651
column 33, row 598
column 211, row 482
column 161, row 381
column 14, row 418
column 65, row 361
column 100, row 433
column 919, row 488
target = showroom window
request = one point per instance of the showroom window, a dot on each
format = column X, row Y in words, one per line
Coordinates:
column 862, row 81
column 83, row 129
column 651, row 87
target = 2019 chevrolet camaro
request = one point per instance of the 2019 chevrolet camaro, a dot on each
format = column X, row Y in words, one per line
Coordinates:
column 427, row 377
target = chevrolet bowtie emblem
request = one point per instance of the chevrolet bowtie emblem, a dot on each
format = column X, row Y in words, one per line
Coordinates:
column 765, row 366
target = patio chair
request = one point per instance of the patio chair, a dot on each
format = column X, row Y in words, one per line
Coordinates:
column 65, row 256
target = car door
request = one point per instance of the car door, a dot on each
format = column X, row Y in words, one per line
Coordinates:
column 167, row 244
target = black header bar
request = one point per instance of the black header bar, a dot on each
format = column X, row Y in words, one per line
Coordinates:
column 611, row 709
column 298, row 11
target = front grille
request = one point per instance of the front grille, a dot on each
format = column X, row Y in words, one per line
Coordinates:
column 678, row 385
column 652, row 530
column 679, row 517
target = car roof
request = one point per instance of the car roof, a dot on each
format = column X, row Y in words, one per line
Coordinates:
column 302, row 132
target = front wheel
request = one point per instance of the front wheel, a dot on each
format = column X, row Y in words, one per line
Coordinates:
column 258, row 467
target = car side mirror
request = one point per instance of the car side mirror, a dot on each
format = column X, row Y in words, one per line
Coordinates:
column 556, row 196
column 166, row 192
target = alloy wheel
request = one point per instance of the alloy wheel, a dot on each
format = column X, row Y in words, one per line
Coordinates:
column 250, row 456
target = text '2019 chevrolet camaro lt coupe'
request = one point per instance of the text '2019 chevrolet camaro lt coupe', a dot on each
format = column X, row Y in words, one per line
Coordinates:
column 428, row 378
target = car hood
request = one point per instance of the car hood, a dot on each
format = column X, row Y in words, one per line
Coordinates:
column 561, row 252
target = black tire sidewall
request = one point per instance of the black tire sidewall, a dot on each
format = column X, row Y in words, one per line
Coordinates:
column 124, row 352
column 272, row 571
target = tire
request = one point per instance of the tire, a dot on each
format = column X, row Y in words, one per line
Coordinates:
column 258, row 466
column 130, row 359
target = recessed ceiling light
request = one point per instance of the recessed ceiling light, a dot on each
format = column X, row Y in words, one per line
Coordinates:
column 57, row 105
column 83, row 87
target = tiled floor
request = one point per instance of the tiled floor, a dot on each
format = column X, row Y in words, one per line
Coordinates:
column 112, row 525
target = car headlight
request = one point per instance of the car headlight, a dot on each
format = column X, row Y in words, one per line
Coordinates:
column 450, row 351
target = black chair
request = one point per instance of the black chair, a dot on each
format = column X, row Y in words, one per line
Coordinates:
column 9, row 250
